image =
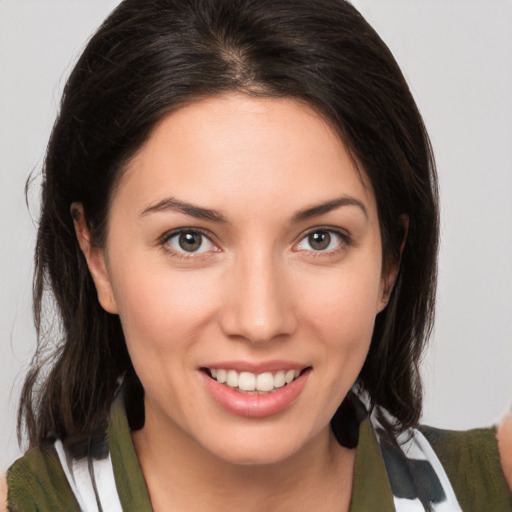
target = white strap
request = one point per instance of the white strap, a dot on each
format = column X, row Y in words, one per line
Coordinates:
column 80, row 481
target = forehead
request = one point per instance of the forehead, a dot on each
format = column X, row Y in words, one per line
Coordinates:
column 236, row 150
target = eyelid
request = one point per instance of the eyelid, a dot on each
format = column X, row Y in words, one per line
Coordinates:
column 164, row 239
column 343, row 234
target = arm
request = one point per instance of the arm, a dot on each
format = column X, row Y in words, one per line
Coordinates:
column 504, row 436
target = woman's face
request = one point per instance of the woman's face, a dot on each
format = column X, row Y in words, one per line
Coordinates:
column 244, row 246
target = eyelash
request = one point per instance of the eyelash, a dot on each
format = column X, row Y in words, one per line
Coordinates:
column 345, row 240
column 184, row 255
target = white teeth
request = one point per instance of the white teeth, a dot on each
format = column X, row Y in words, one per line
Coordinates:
column 279, row 381
column 247, row 381
column 289, row 376
column 265, row 382
column 232, row 379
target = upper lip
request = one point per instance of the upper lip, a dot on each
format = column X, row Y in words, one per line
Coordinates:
column 257, row 367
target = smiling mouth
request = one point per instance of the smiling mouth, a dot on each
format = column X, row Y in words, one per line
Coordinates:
column 253, row 383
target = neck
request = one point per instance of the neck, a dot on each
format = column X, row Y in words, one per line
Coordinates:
column 178, row 470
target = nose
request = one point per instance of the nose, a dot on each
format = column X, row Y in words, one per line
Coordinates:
column 258, row 305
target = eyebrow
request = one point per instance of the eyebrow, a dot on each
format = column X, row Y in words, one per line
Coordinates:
column 170, row 203
column 322, row 208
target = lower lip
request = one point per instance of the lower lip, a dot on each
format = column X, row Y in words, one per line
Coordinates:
column 255, row 406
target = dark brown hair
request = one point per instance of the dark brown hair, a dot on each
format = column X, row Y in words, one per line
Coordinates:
column 148, row 58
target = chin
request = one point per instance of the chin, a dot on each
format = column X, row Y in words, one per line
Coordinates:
column 257, row 449
column 258, row 457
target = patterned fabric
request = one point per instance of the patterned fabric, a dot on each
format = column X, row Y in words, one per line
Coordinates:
column 403, row 474
column 417, row 479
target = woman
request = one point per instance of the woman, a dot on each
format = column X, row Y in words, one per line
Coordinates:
column 211, row 329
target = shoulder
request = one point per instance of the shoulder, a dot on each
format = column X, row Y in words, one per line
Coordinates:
column 3, row 493
column 504, row 436
column 37, row 481
column 472, row 463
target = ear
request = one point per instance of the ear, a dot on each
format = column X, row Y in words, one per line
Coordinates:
column 390, row 273
column 96, row 260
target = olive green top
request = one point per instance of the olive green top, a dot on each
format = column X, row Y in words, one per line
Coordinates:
column 37, row 482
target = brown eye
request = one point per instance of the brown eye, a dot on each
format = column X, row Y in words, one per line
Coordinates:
column 323, row 240
column 320, row 240
column 190, row 242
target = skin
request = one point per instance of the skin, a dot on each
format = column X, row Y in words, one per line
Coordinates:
column 256, row 292
column 504, row 436
column 3, row 494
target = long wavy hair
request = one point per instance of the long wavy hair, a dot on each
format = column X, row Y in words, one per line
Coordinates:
column 147, row 59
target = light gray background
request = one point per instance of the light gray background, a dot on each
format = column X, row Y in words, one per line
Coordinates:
column 457, row 57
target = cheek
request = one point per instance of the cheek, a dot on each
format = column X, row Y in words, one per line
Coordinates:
column 341, row 313
column 160, row 310
column 344, row 301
